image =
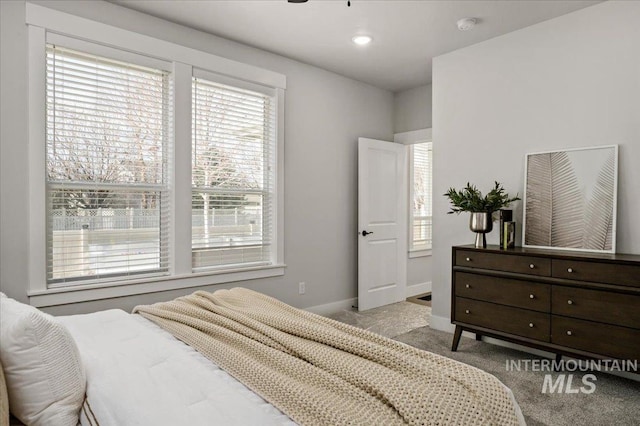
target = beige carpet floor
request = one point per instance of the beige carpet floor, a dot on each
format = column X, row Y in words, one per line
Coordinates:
column 615, row 401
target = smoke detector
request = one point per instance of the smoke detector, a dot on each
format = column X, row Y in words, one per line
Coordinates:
column 465, row 24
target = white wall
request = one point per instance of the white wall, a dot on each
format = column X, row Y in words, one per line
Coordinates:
column 412, row 111
column 325, row 114
column 573, row 81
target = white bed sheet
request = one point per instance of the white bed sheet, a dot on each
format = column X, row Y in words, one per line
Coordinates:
column 139, row 374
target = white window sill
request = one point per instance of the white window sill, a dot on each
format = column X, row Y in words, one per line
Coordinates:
column 419, row 253
column 84, row 293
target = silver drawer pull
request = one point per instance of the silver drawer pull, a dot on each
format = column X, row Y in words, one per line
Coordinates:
column 467, row 311
column 570, row 302
column 569, row 333
column 468, row 259
column 531, row 265
column 569, row 270
column 467, row 286
column 531, row 296
column 531, row 324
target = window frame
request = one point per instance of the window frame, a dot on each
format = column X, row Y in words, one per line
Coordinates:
column 136, row 60
column 412, row 138
column 55, row 27
column 271, row 93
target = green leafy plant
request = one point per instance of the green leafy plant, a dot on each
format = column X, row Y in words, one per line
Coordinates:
column 470, row 199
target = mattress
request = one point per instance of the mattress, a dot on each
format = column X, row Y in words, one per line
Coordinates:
column 139, row 374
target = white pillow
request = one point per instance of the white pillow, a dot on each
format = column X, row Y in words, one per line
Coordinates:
column 4, row 400
column 45, row 378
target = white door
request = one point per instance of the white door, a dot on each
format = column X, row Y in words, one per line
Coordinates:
column 382, row 223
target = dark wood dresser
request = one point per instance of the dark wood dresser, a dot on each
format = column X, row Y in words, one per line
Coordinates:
column 574, row 303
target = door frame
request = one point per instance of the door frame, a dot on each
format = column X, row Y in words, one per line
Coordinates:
column 411, row 138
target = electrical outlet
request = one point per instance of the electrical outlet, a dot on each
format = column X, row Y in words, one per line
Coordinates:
column 302, row 288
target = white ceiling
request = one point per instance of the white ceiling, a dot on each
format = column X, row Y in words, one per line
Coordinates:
column 406, row 34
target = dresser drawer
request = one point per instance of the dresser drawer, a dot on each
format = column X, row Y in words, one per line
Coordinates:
column 628, row 275
column 504, row 262
column 504, row 291
column 604, row 339
column 595, row 305
column 521, row 322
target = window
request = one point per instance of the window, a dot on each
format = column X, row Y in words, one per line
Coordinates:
column 152, row 166
column 106, row 161
column 232, row 151
column 421, row 189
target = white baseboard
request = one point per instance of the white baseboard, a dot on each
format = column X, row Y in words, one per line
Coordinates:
column 420, row 288
column 441, row 323
column 333, row 307
column 330, row 308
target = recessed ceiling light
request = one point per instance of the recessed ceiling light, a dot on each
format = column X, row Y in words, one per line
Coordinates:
column 361, row 40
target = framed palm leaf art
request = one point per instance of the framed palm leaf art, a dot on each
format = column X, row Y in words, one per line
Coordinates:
column 570, row 199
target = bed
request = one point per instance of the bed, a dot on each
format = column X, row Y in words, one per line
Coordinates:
column 138, row 373
column 139, row 370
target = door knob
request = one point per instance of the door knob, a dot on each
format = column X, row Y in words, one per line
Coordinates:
column 365, row 233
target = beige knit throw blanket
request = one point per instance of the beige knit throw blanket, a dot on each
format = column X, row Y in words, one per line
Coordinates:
column 322, row 372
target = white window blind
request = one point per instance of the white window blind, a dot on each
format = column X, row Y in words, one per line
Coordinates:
column 233, row 146
column 107, row 156
column 422, row 196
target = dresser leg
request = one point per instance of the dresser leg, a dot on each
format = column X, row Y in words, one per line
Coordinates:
column 479, row 337
column 557, row 363
column 456, row 338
